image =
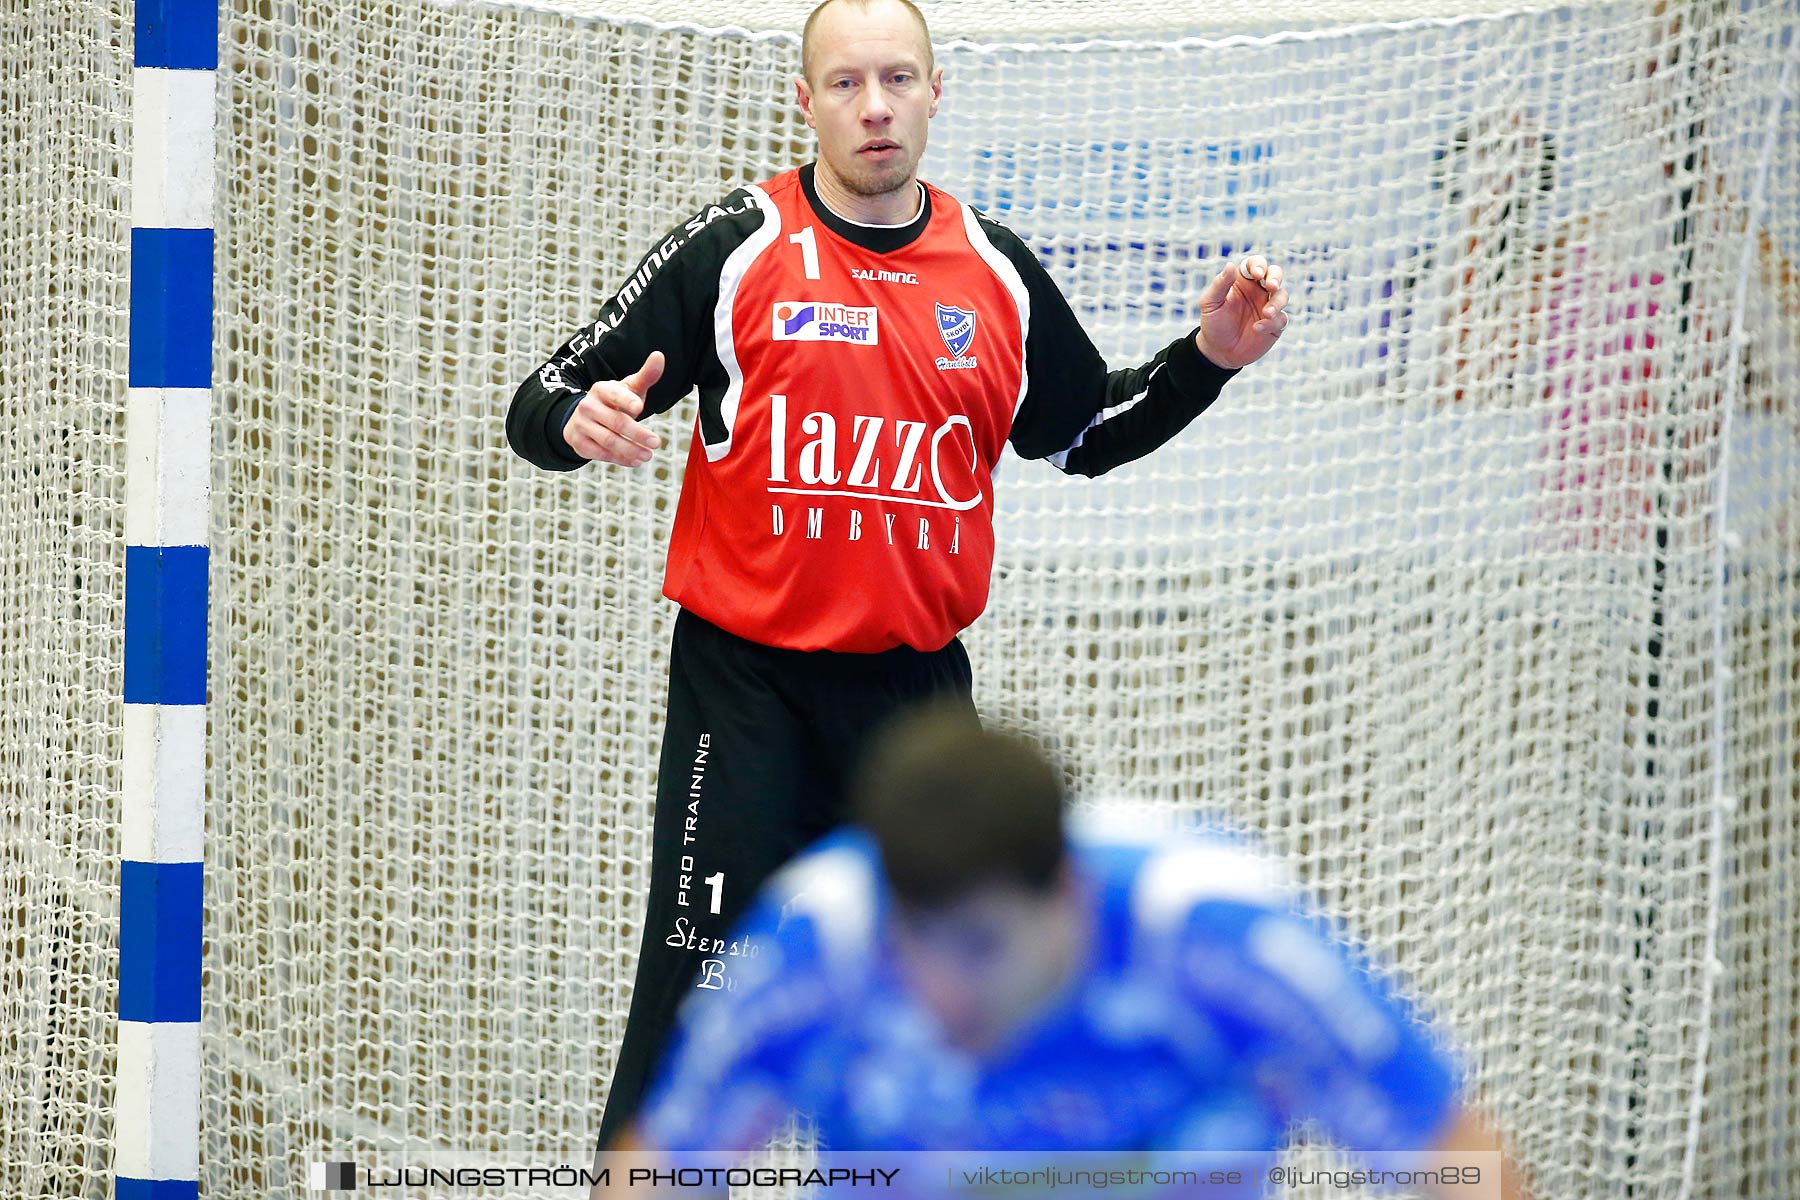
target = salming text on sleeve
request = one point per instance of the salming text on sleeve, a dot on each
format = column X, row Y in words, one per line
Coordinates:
column 665, row 304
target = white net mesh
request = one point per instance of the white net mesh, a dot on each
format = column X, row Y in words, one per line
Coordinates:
column 65, row 106
column 1473, row 596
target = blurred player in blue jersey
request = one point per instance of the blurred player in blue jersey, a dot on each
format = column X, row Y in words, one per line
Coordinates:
column 958, row 972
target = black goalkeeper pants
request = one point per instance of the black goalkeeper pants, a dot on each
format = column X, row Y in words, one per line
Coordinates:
column 756, row 756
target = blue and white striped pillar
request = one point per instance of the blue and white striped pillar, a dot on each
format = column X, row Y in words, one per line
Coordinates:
column 168, row 441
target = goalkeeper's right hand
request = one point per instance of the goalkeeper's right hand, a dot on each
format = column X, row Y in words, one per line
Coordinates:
column 601, row 427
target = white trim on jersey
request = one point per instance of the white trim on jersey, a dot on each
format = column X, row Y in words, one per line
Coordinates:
column 731, row 275
column 1060, row 460
column 1317, row 972
column 1174, row 880
column 1009, row 275
column 836, row 890
column 912, row 220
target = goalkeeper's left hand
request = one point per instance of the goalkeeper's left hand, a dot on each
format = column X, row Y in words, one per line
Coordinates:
column 1242, row 311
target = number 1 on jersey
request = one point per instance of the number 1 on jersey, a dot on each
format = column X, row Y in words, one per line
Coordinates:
column 809, row 250
column 716, row 882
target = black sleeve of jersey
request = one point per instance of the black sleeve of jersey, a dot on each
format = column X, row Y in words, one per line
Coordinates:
column 665, row 304
column 1081, row 417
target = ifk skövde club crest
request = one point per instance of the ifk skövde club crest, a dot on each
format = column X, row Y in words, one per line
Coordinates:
column 957, row 327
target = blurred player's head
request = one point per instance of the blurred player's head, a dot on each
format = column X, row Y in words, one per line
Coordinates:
column 988, row 917
column 869, row 87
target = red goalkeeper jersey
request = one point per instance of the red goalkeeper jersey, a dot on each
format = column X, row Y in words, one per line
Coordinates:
column 857, row 386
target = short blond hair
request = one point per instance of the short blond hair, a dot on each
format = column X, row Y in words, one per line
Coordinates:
column 806, row 34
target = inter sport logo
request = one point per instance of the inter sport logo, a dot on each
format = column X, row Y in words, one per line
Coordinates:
column 795, row 322
column 957, row 327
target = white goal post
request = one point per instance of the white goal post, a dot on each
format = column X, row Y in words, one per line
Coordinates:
column 1479, row 598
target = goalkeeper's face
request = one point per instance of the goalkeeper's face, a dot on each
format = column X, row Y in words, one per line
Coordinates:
column 870, row 90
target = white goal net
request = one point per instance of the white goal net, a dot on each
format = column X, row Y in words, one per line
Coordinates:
column 1477, row 597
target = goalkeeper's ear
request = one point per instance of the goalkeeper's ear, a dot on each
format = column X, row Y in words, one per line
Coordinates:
column 803, row 96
